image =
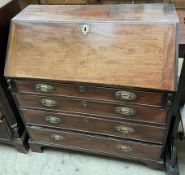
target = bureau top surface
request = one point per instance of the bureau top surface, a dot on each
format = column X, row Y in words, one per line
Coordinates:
column 124, row 13
column 128, row 45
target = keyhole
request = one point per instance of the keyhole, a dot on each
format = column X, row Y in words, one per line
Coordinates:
column 85, row 29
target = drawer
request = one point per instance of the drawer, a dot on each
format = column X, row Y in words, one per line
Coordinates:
column 129, row 112
column 94, row 125
column 93, row 143
column 90, row 92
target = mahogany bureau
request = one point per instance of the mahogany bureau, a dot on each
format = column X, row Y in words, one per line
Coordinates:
column 97, row 79
column 11, row 126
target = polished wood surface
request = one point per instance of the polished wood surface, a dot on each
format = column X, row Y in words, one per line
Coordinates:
column 51, row 2
column 181, row 15
column 94, row 125
column 61, row 2
column 178, row 3
column 125, row 13
column 145, row 114
column 90, row 92
column 135, row 48
column 97, row 144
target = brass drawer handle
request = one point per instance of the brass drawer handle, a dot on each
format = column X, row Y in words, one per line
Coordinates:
column 125, row 111
column 125, row 130
column 44, row 87
column 53, row 119
column 56, row 137
column 125, row 95
column 124, row 148
column 48, row 102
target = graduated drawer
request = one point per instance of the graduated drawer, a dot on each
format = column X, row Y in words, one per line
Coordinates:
column 129, row 112
column 94, row 143
column 90, row 92
column 94, row 125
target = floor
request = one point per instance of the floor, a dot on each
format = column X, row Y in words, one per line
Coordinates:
column 59, row 162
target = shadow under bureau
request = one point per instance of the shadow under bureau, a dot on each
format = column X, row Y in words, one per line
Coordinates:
column 98, row 78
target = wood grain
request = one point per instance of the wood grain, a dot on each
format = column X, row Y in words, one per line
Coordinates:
column 97, row 144
column 94, row 125
column 51, row 2
column 145, row 114
column 121, row 49
column 61, row 2
column 89, row 92
column 178, row 3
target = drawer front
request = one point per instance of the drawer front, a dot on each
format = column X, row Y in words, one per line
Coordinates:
column 94, row 125
column 95, row 108
column 90, row 92
column 97, row 144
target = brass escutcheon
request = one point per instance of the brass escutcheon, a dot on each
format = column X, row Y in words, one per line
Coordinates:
column 85, row 29
column 124, row 148
column 44, row 87
column 125, row 130
column 56, row 137
column 125, row 111
column 48, row 102
column 125, row 95
column 53, row 119
column 81, row 89
column 84, row 103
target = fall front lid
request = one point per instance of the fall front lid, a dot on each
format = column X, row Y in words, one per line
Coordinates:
column 130, row 45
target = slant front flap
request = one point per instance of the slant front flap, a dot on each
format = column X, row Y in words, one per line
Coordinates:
column 138, row 54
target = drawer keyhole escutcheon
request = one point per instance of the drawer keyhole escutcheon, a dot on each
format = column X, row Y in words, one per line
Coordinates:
column 125, row 95
column 125, row 111
column 85, row 29
column 84, row 103
column 125, row 130
column 56, row 137
column 48, row 102
column 86, row 120
column 81, row 89
column 53, row 119
column 44, row 87
column 124, row 148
